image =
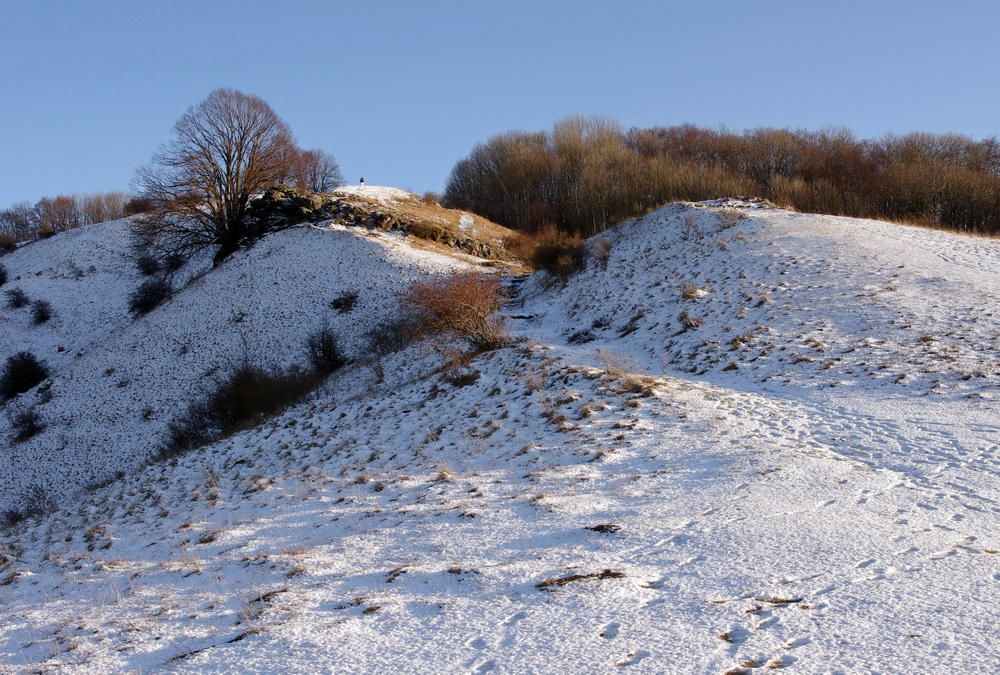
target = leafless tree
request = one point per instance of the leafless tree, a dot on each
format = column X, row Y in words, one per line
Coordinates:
column 100, row 207
column 224, row 151
column 315, row 170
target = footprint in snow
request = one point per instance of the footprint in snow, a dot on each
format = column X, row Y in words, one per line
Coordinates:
column 477, row 643
column 514, row 618
column 486, row 667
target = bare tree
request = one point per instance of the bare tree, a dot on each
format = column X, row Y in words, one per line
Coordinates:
column 100, row 207
column 224, row 151
column 315, row 170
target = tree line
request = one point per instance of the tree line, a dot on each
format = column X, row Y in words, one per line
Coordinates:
column 50, row 215
column 589, row 173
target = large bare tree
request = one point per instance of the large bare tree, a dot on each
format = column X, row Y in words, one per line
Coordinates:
column 224, row 152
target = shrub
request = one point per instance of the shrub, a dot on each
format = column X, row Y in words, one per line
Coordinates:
column 35, row 503
column 601, row 253
column 322, row 350
column 461, row 306
column 3, row 275
column 248, row 396
column 345, row 302
column 8, row 242
column 558, row 253
column 16, row 298
column 148, row 296
column 26, row 423
column 41, row 311
column 384, row 339
column 21, row 372
column 147, row 265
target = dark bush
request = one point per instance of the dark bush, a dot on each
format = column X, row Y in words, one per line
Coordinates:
column 16, row 298
column 138, row 205
column 41, row 311
column 322, row 350
column 26, row 424
column 148, row 296
column 247, row 397
column 345, row 302
column 3, row 275
column 35, row 503
column 174, row 261
column 147, row 265
column 21, row 372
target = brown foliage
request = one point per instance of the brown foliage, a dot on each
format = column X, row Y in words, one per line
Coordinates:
column 587, row 174
column 461, row 306
column 556, row 252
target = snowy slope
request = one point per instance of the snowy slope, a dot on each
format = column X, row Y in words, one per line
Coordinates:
column 118, row 382
column 615, row 492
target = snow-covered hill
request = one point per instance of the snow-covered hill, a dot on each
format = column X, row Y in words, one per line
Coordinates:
column 117, row 382
column 756, row 440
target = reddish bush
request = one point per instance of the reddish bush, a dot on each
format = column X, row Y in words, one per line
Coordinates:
column 461, row 306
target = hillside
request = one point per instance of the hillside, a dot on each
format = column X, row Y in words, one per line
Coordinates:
column 118, row 381
column 805, row 478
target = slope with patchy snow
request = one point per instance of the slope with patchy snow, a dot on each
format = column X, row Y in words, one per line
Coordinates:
column 611, row 494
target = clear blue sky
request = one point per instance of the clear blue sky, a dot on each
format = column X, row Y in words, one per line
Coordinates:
column 399, row 90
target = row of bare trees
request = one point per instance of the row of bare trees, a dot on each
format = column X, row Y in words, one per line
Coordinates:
column 50, row 215
column 588, row 173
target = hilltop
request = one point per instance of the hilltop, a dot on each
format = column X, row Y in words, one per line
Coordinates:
column 756, row 439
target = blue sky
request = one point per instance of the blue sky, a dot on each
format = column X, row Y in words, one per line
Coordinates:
column 399, row 91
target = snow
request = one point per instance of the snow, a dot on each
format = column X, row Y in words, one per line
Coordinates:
column 376, row 192
column 807, row 479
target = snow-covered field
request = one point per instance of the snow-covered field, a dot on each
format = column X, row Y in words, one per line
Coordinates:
column 756, row 442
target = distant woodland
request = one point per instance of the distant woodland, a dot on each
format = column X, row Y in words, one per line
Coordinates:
column 589, row 173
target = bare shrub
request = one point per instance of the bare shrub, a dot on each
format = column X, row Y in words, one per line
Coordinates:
column 146, row 264
column 323, row 352
column 41, row 311
column 729, row 218
column 21, row 372
column 16, row 298
column 387, row 338
column 148, row 296
column 3, row 275
column 461, row 306
column 26, row 423
column 601, row 252
column 35, row 503
column 248, row 396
